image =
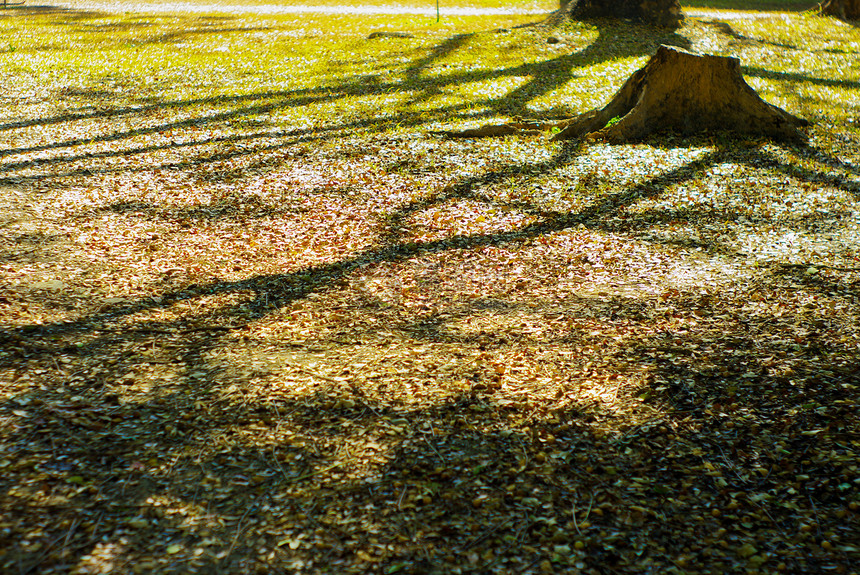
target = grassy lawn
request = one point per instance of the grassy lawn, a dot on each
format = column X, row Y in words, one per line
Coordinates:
column 256, row 318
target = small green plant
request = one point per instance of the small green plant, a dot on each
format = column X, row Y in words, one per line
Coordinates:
column 612, row 122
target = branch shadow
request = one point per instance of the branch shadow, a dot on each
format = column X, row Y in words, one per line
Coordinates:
column 798, row 78
column 544, row 76
column 504, row 482
column 13, row 10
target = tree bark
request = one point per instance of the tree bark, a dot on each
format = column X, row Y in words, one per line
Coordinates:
column 842, row 9
column 689, row 93
column 658, row 12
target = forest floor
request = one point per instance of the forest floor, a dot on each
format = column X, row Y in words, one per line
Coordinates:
column 256, row 318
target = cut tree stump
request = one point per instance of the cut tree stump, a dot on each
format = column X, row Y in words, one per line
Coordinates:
column 689, row 93
column 675, row 91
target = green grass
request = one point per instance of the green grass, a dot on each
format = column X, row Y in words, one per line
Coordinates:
column 457, row 69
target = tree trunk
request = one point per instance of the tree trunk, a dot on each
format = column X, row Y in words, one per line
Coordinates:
column 842, row 9
column 657, row 12
column 686, row 92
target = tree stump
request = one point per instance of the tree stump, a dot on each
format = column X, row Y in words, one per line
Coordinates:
column 676, row 90
column 842, row 9
column 690, row 93
column 657, row 12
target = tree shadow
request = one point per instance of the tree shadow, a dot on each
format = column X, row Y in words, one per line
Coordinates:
column 14, row 10
column 532, row 476
column 206, row 26
column 544, row 76
column 283, row 289
column 798, row 78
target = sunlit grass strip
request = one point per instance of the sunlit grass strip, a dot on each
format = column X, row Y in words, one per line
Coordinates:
column 318, row 69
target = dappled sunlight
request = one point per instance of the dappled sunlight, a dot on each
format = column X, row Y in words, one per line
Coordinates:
column 492, row 89
column 462, row 218
column 838, row 245
column 256, row 317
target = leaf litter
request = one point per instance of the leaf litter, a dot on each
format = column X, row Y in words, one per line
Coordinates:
column 236, row 343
